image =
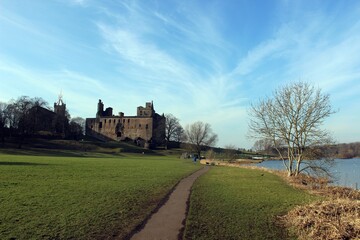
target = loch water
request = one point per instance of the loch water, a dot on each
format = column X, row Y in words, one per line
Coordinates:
column 346, row 171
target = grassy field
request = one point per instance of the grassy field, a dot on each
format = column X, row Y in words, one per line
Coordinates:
column 234, row 203
column 67, row 197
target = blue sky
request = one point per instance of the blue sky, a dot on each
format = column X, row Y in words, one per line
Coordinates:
column 199, row 60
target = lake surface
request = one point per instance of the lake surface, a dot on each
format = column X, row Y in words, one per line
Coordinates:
column 346, row 171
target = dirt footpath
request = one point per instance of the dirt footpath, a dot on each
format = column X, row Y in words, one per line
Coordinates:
column 167, row 222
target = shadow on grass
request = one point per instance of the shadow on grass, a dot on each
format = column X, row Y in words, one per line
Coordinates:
column 58, row 153
column 70, row 148
column 22, row 164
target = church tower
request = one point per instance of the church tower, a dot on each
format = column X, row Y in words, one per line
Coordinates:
column 60, row 106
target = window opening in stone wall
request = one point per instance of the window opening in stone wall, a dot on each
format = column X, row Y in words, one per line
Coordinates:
column 147, row 126
column 100, row 124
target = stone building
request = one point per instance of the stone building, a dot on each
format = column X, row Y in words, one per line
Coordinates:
column 146, row 129
column 43, row 121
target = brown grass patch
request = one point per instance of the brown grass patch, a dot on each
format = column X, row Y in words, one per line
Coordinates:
column 335, row 219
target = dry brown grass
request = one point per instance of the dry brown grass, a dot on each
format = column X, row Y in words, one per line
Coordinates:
column 332, row 219
column 338, row 217
column 320, row 186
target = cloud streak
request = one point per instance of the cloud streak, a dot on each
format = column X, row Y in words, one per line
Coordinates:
column 198, row 61
column 192, row 55
column 177, row 66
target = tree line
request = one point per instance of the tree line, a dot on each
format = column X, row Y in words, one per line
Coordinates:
column 26, row 117
column 341, row 150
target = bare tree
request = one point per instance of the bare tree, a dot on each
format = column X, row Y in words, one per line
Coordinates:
column 179, row 134
column 3, row 120
column 20, row 111
column 12, row 116
column 292, row 119
column 81, row 122
column 230, row 152
column 23, row 114
column 173, row 129
column 262, row 145
column 200, row 135
column 76, row 128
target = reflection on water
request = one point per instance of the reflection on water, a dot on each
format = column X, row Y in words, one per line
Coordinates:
column 346, row 171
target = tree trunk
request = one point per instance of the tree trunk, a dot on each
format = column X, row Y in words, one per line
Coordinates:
column 290, row 167
column 199, row 154
column 298, row 162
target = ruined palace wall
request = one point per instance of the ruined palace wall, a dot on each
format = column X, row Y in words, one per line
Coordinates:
column 148, row 127
column 135, row 127
column 128, row 127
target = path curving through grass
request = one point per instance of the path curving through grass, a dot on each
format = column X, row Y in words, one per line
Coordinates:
column 167, row 222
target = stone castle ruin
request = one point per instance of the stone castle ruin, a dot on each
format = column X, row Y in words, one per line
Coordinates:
column 146, row 129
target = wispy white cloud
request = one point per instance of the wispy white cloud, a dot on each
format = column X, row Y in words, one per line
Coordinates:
column 144, row 55
column 17, row 21
column 78, row 90
column 80, row 2
column 318, row 48
column 187, row 56
column 315, row 48
column 295, row 43
column 183, row 63
column 167, row 66
column 259, row 55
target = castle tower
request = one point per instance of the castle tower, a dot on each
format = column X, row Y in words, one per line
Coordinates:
column 100, row 109
column 147, row 111
column 60, row 106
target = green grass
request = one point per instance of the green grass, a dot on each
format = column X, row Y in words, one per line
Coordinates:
column 52, row 197
column 233, row 203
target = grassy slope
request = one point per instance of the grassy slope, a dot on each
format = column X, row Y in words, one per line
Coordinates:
column 47, row 197
column 233, row 203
